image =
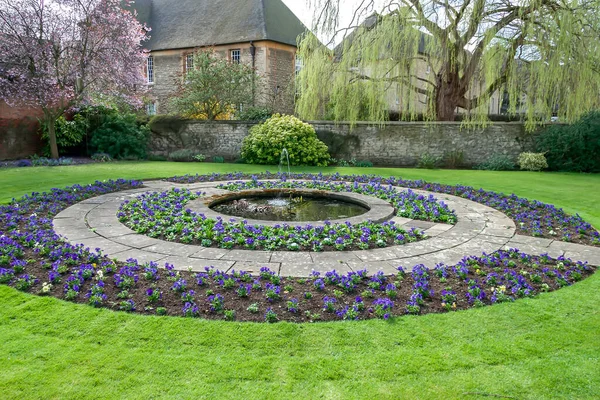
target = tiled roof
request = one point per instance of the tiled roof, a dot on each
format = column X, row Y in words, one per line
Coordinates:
column 193, row 23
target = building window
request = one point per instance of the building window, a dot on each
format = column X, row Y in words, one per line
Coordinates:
column 236, row 56
column 150, row 69
column 189, row 62
column 151, row 108
column 428, row 70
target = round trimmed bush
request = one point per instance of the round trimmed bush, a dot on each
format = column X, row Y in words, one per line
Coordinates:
column 532, row 161
column 266, row 141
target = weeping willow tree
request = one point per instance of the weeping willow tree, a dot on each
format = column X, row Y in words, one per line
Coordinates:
column 437, row 57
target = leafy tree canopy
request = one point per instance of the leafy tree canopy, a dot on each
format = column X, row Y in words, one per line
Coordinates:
column 213, row 88
column 544, row 55
column 61, row 53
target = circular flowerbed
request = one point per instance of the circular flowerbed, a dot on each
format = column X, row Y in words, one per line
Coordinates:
column 532, row 217
column 34, row 259
column 163, row 215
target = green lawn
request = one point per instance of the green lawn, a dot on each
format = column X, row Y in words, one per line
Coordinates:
column 545, row 347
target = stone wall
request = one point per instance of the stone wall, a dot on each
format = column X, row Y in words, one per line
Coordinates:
column 220, row 138
column 402, row 143
column 395, row 144
column 19, row 136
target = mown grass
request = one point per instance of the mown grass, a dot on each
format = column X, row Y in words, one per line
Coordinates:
column 545, row 347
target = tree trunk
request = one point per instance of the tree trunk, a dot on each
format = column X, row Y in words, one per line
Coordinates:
column 445, row 108
column 51, row 125
column 448, row 96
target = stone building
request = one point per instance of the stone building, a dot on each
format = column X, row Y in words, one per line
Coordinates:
column 261, row 33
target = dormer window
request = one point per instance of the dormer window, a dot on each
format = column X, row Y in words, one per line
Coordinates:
column 236, row 56
column 150, row 69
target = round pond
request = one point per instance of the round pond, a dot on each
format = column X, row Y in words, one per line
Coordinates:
column 290, row 207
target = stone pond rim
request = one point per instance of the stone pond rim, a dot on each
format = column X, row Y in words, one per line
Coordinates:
column 378, row 210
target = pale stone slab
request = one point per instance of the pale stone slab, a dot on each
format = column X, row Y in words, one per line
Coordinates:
column 136, row 241
column 141, row 256
column 196, row 264
column 333, row 257
column 107, row 246
column 387, row 267
column 591, row 256
column 534, row 250
column 304, row 270
column 503, row 232
column 210, row 253
column 172, row 248
column 291, row 257
column 76, row 234
column 248, row 255
column 376, row 254
column 401, row 220
column 113, row 231
column 534, row 241
column 254, row 267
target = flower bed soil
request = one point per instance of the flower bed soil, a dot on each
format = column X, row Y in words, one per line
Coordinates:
column 512, row 282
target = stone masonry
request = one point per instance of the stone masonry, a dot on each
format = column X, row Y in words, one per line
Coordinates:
column 394, row 144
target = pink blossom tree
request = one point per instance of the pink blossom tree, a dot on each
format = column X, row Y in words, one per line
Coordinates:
column 57, row 54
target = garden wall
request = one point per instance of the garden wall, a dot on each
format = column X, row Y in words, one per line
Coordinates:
column 394, row 144
column 19, row 136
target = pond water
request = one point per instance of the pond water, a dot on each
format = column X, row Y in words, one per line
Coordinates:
column 290, row 208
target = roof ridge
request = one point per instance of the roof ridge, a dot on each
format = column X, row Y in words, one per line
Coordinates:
column 263, row 10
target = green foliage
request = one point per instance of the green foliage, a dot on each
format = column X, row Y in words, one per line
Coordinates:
column 121, row 137
column 532, row 161
column 428, row 161
column 214, row 88
column 573, row 147
column 50, row 162
column 497, row 162
column 186, row 155
column 266, row 141
column 157, row 157
column 454, row 159
column 352, row 163
column 68, row 133
column 218, row 159
column 37, row 161
column 255, row 114
column 360, row 107
column 101, row 157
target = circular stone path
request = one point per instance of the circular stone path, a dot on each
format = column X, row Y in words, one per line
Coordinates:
column 479, row 229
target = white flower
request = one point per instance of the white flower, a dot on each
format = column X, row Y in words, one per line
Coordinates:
column 46, row 287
